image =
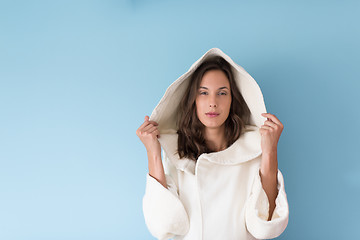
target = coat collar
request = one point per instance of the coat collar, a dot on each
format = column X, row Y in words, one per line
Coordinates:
column 245, row 148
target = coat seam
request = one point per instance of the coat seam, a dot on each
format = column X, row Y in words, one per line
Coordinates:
column 199, row 200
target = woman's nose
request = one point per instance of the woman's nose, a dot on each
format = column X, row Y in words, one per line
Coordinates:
column 213, row 105
column 213, row 102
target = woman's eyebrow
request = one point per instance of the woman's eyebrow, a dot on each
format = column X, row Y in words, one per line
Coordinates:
column 219, row 87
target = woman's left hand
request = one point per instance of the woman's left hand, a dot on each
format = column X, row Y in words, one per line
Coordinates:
column 270, row 133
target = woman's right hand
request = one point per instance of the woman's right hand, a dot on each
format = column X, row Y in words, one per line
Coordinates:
column 148, row 133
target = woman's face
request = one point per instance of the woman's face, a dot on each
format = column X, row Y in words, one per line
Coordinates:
column 213, row 95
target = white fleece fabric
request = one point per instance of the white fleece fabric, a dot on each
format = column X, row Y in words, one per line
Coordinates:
column 221, row 195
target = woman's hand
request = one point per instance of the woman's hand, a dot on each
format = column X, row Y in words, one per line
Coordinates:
column 148, row 133
column 270, row 133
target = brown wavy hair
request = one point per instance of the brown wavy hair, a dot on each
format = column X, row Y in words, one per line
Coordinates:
column 191, row 140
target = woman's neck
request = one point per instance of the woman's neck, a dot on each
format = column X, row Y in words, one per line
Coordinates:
column 215, row 139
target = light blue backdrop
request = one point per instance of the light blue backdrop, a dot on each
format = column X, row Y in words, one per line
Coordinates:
column 78, row 77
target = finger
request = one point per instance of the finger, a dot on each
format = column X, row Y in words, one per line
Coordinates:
column 146, row 121
column 154, row 123
column 263, row 130
column 144, row 124
column 156, row 132
column 264, row 127
column 147, row 128
column 150, row 121
column 151, row 130
column 270, row 124
column 271, row 117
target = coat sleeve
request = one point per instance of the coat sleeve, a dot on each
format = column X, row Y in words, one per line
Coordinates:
column 257, row 210
column 164, row 213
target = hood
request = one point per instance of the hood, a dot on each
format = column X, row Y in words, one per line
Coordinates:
column 247, row 147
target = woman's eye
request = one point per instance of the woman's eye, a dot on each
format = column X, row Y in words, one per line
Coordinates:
column 205, row 93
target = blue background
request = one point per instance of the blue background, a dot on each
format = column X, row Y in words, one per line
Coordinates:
column 78, row 77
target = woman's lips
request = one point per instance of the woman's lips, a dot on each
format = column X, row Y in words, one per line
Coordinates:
column 212, row 114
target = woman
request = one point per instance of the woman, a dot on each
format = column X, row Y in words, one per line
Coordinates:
column 220, row 178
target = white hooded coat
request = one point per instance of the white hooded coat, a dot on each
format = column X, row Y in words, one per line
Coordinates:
column 221, row 195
